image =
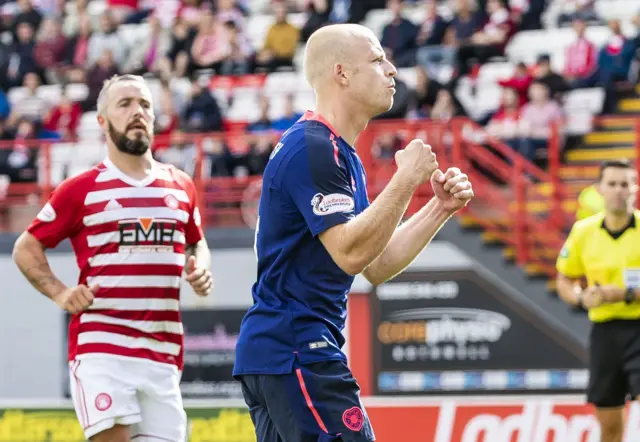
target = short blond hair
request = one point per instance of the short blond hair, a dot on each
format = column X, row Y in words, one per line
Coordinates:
column 104, row 92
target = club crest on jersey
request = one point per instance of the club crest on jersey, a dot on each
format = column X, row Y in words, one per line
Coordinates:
column 47, row 214
column 332, row 203
column 171, row 201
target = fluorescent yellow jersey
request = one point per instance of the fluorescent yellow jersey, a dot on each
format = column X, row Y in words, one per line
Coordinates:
column 604, row 259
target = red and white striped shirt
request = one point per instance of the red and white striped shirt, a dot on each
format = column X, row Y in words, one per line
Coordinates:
column 129, row 237
column 580, row 59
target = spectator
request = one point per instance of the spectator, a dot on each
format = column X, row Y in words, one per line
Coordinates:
column 50, row 49
column 585, row 9
column 210, row 46
column 490, row 41
column 226, row 11
column 181, row 153
column 317, row 15
column 263, row 123
column 433, row 51
column 281, row 42
column 399, row 36
column 614, row 63
column 104, row 69
column 190, row 11
column 258, row 154
column 168, row 107
column 537, row 120
column 26, row 14
column 20, row 162
column 146, row 57
column 21, row 61
column 32, row 106
column 218, row 158
column 519, row 82
column 107, row 39
column 120, row 9
column 63, row 118
column 202, row 113
column 504, row 123
column 241, row 58
column 426, row 93
column 580, row 59
column 77, row 51
column 290, row 115
column 176, row 61
column 445, row 108
column 554, row 82
column 466, row 22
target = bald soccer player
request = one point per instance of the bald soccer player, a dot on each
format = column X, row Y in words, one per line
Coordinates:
column 316, row 231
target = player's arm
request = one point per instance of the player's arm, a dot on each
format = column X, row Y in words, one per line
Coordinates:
column 322, row 192
column 570, row 270
column 200, row 251
column 29, row 255
column 407, row 242
column 57, row 221
column 197, row 254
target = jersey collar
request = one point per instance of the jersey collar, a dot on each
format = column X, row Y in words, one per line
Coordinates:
column 618, row 234
column 127, row 179
column 312, row 116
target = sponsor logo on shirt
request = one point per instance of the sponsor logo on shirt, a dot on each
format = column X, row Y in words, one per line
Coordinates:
column 47, row 214
column 332, row 203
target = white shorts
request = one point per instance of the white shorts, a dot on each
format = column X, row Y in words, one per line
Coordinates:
column 109, row 391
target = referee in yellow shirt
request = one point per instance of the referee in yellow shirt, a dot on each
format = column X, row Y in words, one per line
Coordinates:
column 604, row 249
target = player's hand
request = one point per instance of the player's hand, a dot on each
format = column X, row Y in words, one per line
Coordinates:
column 452, row 188
column 76, row 299
column 416, row 161
column 592, row 297
column 611, row 293
column 200, row 279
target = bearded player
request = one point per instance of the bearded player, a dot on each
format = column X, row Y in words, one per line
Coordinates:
column 134, row 227
column 316, row 230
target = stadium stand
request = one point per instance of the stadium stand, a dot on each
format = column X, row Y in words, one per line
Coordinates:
column 247, row 82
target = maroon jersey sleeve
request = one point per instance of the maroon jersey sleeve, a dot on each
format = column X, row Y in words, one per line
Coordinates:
column 61, row 216
column 193, row 230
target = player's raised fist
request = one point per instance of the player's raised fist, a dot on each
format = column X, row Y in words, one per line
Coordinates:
column 77, row 299
column 417, row 161
column 199, row 278
column 452, row 188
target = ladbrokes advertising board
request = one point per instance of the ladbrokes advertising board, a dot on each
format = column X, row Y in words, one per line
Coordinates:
column 528, row 419
column 453, row 331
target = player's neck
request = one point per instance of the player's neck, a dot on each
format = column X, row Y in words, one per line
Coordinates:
column 136, row 167
column 347, row 124
column 616, row 221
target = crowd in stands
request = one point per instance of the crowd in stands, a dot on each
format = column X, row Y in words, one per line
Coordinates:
column 66, row 43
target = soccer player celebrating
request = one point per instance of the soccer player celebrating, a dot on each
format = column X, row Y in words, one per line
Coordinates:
column 603, row 249
column 316, row 230
column 134, row 226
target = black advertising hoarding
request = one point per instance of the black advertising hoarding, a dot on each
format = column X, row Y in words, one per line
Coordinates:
column 210, row 337
column 452, row 331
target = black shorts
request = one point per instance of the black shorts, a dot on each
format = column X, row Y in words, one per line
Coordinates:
column 317, row 402
column 614, row 366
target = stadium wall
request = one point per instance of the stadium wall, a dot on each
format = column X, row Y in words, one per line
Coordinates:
column 32, row 328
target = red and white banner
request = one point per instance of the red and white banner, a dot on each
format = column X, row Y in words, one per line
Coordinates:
column 526, row 419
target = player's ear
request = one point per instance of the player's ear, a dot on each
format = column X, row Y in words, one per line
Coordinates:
column 340, row 74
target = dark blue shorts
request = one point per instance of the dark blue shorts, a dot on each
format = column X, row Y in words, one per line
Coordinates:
column 318, row 402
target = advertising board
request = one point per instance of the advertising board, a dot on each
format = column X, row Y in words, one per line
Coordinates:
column 452, row 331
column 454, row 419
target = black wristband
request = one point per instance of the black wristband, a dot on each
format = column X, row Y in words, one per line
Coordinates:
column 629, row 295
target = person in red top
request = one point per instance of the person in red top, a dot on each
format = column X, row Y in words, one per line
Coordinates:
column 581, row 58
column 134, row 227
column 519, row 82
column 64, row 118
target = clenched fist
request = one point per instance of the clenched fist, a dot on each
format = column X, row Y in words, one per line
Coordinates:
column 200, row 278
column 76, row 299
column 452, row 188
column 417, row 161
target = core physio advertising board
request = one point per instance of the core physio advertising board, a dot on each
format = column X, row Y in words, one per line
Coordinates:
column 456, row 419
column 452, row 331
